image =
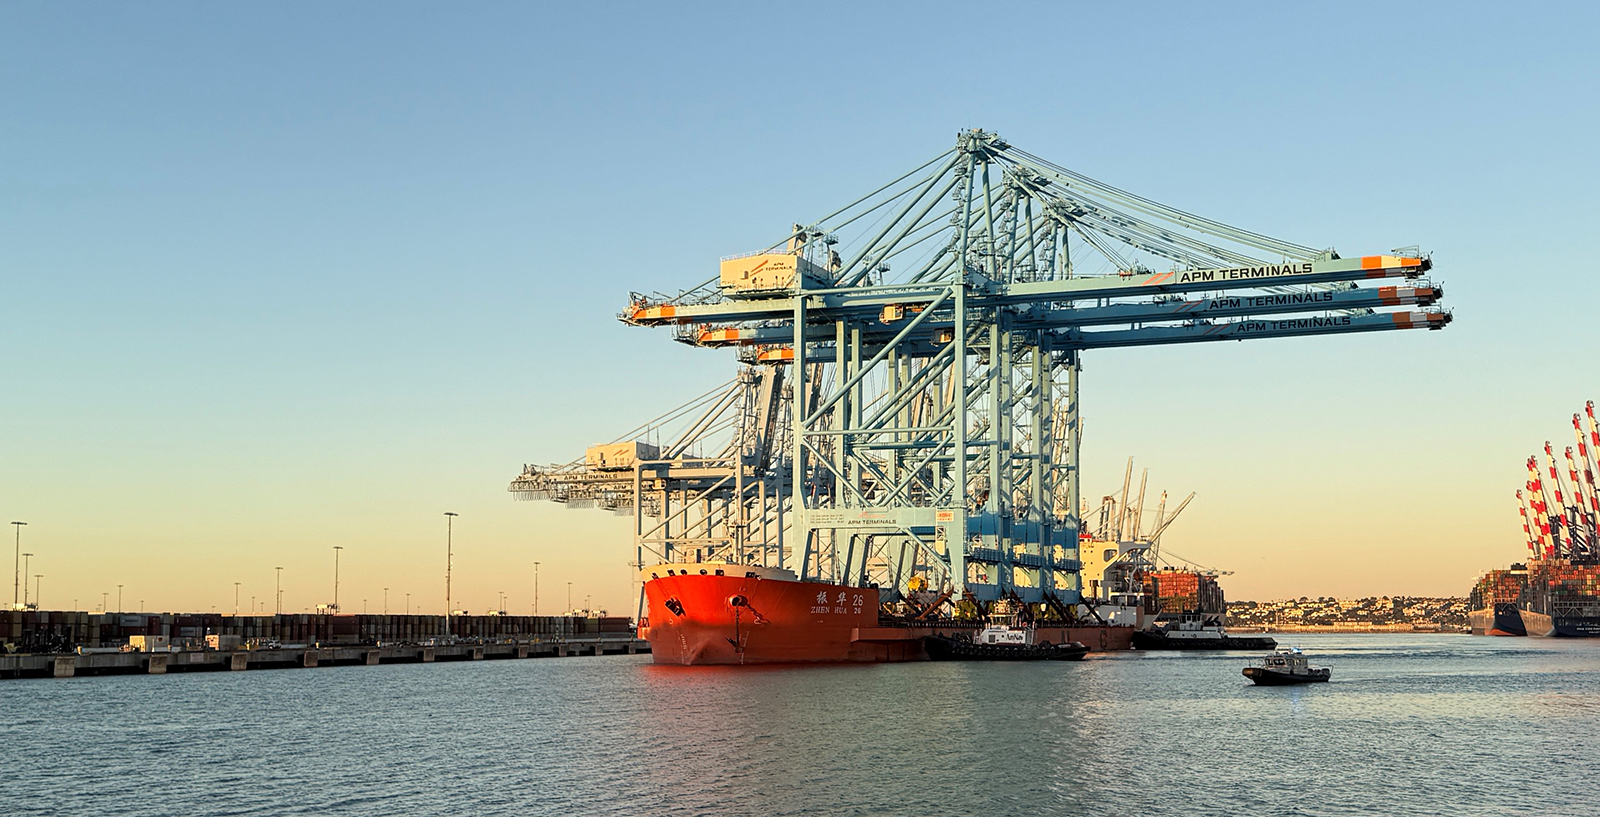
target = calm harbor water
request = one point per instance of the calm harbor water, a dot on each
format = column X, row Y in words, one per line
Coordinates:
column 1411, row 724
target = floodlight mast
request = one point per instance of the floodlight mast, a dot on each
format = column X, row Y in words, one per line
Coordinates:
column 925, row 425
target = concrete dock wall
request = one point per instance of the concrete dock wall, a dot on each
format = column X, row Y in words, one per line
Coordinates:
column 64, row 631
column 127, row 662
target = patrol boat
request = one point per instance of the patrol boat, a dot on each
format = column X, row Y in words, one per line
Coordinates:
column 1286, row 667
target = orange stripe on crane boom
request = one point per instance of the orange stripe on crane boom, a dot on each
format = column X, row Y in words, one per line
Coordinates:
column 1388, row 262
column 719, row 336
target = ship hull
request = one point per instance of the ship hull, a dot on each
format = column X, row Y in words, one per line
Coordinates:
column 1274, row 678
column 709, row 619
column 1540, row 625
column 1498, row 619
column 697, row 620
column 947, row 648
column 1146, row 640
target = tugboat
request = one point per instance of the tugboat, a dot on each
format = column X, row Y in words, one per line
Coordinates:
column 1001, row 641
column 1284, row 668
column 1192, row 633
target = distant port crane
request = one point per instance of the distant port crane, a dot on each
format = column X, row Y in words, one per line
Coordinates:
column 907, row 413
column 1116, row 551
column 1561, row 520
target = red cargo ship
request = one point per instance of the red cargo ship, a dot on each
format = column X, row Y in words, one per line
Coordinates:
column 715, row 613
column 718, row 613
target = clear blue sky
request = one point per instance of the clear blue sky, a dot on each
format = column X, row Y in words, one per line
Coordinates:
column 275, row 278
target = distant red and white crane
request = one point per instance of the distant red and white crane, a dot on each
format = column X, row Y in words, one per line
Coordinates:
column 1561, row 512
column 1540, row 499
column 1527, row 532
column 1586, row 459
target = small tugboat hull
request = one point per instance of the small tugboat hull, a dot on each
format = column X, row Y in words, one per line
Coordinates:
column 1147, row 640
column 945, row 648
column 1273, row 678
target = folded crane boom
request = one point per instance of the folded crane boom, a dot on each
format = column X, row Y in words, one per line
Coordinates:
column 869, row 302
column 932, row 331
column 1322, row 300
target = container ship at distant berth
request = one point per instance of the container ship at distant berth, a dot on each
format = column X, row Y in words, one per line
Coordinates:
column 1547, row 598
column 1562, row 600
column 1494, row 602
column 1556, row 594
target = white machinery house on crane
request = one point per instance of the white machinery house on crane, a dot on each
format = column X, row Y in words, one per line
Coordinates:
column 908, row 414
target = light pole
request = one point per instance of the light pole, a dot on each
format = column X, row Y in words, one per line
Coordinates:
column 386, row 601
column 449, row 562
column 277, row 602
column 336, row 549
column 103, row 596
column 536, row 588
column 16, row 589
column 408, row 604
column 569, row 598
column 36, row 578
column 119, row 598
column 27, row 565
column 236, row 598
column 502, row 607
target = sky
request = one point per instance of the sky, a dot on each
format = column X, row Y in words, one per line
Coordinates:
column 279, row 278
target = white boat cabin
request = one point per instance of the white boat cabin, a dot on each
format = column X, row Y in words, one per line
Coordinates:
column 1289, row 661
column 1193, row 628
column 1006, row 634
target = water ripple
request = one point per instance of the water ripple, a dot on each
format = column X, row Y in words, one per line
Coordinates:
column 1412, row 724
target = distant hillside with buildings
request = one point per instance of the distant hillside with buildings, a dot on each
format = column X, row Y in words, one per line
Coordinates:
column 1378, row 613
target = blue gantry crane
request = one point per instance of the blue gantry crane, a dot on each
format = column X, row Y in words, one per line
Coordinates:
column 907, row 416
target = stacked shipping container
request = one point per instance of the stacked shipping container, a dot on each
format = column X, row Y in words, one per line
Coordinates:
column 1498, row 587
column 1173, row 591
column 1559, row 588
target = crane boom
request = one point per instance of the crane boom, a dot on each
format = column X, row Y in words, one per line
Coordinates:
column 1138, row 513
column 869, row 302
column 1156, row 535
column 1052, row 318
column 1527, row 532
column 1586, row 459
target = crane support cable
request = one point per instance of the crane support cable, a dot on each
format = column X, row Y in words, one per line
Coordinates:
column 919, row 184
column 868, row 196
column 664, row 418
column 1160, row 210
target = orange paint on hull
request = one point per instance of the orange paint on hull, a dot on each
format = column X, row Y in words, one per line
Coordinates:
column 697, row 620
